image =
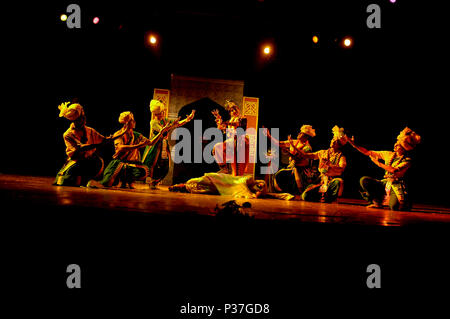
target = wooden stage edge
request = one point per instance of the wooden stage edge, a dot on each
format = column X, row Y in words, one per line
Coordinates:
column 38, row 191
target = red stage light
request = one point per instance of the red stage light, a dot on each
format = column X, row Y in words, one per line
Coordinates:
column 96, row 20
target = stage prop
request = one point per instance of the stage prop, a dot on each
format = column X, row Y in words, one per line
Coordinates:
column 186, row 90
column 250, row 106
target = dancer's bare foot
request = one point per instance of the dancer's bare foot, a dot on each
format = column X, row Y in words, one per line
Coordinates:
column 94, row 184
column 375, row 205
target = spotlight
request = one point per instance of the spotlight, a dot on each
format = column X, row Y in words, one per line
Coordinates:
column 63, row 17
column 315, row 39
column 347, row 42
column 95, row 20
column 267, row 50
column 393, row 1
column 152, row 41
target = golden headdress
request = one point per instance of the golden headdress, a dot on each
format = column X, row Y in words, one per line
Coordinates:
column 156, row 106
column 408, row 139
column 125, row 117
column 71, row 112
column 339, row 134
column 229, row 104
column 308, row 130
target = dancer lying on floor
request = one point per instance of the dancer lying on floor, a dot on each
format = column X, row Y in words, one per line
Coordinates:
column 226, row 184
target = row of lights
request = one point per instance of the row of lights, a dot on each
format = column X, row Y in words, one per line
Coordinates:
column 347, row 42
column 95, row 20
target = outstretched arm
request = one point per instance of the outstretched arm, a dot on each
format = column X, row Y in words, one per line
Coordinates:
column 299, row 152
column 359, row 148
column 389, row 168
column 187, row 119
column 282, row 144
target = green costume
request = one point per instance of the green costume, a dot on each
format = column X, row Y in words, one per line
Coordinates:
column 157, row 156
column 126, row 166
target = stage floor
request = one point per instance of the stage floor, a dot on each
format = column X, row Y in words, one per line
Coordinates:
column 38, row 191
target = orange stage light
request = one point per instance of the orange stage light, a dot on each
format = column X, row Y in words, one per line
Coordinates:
column 347, row 42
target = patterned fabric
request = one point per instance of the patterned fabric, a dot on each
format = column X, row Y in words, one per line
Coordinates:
column 328, row 184
column 394, row 181
column 401, row 163
column 327, row 157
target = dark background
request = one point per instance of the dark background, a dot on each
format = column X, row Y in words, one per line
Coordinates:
column 152, row 263
column 390, row 79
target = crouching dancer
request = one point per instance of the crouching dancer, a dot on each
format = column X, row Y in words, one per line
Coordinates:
column 83, row 162
column 332, row 163
column 126, row 166
column 391, row 190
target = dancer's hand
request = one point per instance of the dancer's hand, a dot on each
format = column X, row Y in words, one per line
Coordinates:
column 351, row 141
column 63, row 105
column 215, row 113
column 290, row 140
column 190, row 116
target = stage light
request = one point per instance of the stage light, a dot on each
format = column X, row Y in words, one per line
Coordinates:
column 393, row 1
column 315, row 39
column 347, row 42
column 267, row 49
column 63, row 17
column 152, row 41
column 95, row 20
